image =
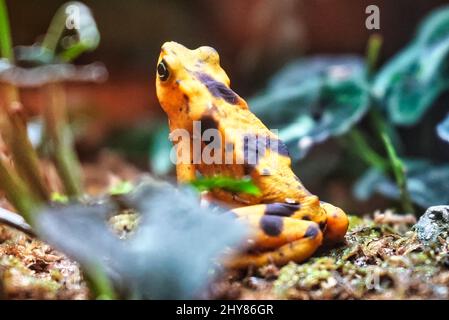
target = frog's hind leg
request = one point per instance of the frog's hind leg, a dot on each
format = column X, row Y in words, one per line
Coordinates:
column 275, row 238
column 336, row 225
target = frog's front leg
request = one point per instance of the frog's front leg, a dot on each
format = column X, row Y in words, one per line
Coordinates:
column 279, row 239
column 185, row 172
column 185, row 168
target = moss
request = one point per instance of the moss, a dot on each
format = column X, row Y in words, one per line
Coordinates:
column 20, row 282
column 305, row 276
column 30, row 269
column 378, row 261
column 124, row 223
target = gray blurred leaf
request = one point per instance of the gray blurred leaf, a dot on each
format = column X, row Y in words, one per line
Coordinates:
column 313, row 99
column 427, row 183
column 42, row 75
column 169, row 256
column 409, row 84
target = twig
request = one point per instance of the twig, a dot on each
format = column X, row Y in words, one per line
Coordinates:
column 15, row 221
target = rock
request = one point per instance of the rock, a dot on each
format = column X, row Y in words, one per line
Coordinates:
column 433, row 224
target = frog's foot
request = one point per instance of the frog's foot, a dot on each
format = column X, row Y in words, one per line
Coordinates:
column 337, row 223
column 275, row 239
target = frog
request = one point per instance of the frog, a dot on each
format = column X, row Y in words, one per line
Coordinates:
column 286, row 221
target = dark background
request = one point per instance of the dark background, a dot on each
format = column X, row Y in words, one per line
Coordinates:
column 253, row 37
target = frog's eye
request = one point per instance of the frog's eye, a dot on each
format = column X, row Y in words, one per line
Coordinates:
column 162, row 71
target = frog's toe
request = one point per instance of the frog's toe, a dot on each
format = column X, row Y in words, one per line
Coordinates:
column 337, row 223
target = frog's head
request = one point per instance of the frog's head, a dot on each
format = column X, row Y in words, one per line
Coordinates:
column 191, row 78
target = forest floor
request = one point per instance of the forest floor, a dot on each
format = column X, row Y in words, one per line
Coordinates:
column 381, row 258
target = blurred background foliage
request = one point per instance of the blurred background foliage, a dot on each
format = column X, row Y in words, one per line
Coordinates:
column 255, row 39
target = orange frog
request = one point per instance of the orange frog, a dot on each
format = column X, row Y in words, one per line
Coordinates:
column 287, row 222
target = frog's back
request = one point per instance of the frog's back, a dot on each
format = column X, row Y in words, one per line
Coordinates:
column 258, row 153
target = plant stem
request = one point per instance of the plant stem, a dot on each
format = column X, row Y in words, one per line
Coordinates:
column 18, row 192
column 6, row 50
column 399, row 173
column 397, row 165
column 382, row 128
column 16, row 137
column 372, row 53
column 361, row 147
column 14, row 133
column 60, row 136
column 61, row 140
column 99, row 283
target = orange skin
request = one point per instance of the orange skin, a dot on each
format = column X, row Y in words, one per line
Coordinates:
column 287, row 222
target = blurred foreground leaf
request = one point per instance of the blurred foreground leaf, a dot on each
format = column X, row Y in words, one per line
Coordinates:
column 170, row 255
column 410, row 83
column 313, row 99
column 427, row 184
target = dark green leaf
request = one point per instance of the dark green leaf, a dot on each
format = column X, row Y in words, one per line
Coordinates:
column 435, row 27
column 409, row 84
column 314, row 99
column 426, row 182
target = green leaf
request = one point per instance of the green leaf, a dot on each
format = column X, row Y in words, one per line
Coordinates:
column 443, row 129
column 426, row 183
column 313, row 99
column 72, row 32
column 59, row 198
column 410, row 83
column 123, row 187
column 245, row 185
